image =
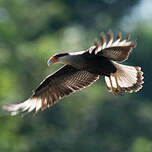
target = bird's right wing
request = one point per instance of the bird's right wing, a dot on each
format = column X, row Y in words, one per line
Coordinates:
column 117, row 50
column 62, row 83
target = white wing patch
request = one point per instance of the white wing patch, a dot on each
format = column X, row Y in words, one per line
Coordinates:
column 30, row 104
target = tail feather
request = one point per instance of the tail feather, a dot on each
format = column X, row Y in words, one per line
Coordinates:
column 128, row 79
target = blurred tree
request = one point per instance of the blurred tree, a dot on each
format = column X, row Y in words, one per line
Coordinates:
column 30, row 32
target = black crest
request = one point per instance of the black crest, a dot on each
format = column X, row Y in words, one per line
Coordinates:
column 61, row 55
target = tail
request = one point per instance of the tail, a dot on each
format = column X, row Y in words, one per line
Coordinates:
column 126, row 79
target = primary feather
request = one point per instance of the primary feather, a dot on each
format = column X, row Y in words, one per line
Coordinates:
column 116, row 51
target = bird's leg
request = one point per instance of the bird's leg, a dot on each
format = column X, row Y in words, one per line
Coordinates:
column 118, row 89
column 113, row 90
column 115, row 76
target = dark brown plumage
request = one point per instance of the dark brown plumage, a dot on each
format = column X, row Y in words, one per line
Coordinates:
column 62, row 83
column 83, row 68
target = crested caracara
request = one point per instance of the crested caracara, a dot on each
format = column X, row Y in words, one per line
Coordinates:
column 83, row 68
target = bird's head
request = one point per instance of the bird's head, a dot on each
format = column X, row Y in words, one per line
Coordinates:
column 57, row 58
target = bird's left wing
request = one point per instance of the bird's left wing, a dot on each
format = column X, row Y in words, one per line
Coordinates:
column 62, row 83
column 117, row 50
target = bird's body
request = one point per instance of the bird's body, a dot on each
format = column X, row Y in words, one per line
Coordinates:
column 92, row 63
column 83, row 68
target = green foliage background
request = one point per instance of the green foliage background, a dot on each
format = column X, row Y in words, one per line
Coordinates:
column 92, row 120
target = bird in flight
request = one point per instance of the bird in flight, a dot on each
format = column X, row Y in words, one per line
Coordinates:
column 83, row 68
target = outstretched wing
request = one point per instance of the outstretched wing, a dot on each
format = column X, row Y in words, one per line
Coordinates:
column 62, row 83
column 116, row 51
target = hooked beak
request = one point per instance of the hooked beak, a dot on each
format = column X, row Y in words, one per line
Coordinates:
column 52, row 60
